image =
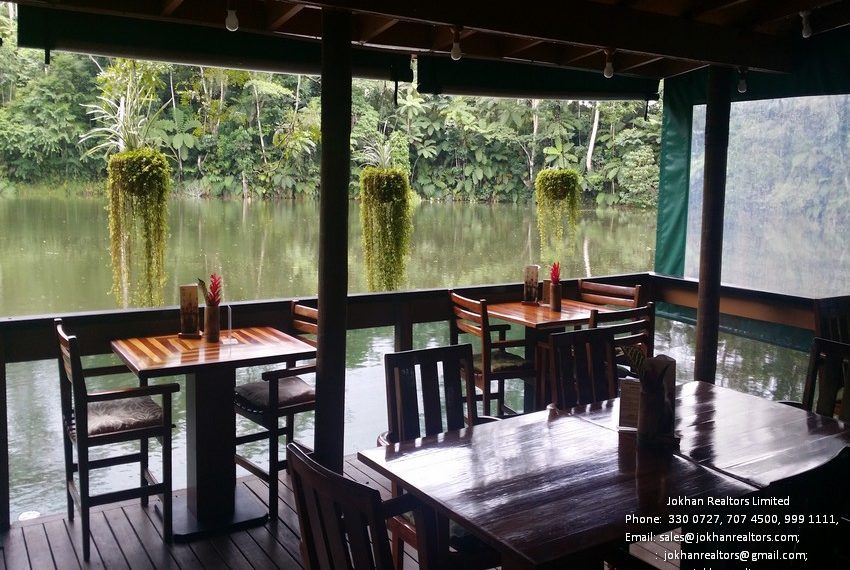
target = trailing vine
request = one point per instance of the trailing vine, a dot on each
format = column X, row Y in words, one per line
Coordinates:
column 387, row 221
column 557, row 193
column 138, row 186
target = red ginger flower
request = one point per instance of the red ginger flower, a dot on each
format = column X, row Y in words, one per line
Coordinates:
column 555, row 272
column 212, row 296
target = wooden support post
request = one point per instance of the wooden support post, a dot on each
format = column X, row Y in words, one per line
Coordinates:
column 403, row 329
column 333, row 237
column 711, row 241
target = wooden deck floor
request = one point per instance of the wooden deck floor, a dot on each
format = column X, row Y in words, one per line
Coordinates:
column 130, row 536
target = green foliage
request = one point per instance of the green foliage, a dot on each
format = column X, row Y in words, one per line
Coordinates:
column 557, row 192
column 387, row 222
column 138, row 187
column 239, row 133
column 38, row 127
column 126, row 119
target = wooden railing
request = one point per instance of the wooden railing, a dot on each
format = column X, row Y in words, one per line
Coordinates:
column 24, row 339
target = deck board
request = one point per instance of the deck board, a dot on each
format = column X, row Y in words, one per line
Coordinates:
column 127, row 535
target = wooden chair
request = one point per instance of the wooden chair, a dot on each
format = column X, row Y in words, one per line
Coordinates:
column 292, row 394
column 494, row 363
column 832, row 318
column 449, row 404
column 95, row 418
column 342, row 521
column 634, row 334
column 819, row 492
column 583, row 367
column 827, row 378
column 606, row 294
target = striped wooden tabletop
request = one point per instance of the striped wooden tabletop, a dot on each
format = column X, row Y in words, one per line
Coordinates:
column 542, row 316
column 169, row 354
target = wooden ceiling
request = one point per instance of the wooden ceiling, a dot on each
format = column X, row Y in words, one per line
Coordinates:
column 647, row 38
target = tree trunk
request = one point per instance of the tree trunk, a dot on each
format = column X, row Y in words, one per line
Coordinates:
column 174, row 114
column 591, row 142
column 245, row 195
column 535, row 128
column 259, row 125
column 297, row 100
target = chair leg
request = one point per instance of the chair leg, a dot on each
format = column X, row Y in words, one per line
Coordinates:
column 84, row 503
column 485, row 397
column 397, row 549
column 143, row 467
column 69, row 476
column 167, row 496
column 273, row 474
column 500, row 398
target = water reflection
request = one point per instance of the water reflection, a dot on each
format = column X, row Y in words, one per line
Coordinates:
column 268, row 250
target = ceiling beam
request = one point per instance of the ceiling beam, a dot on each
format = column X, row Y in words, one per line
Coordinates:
column 168, row 6
column 593, row 24
column 368, row 27
column 278, row 14
column 787, row 8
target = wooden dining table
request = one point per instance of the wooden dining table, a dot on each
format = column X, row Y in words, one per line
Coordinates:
column 541, row 317
column 539, row 320
column 547, row 491
column 213, row 503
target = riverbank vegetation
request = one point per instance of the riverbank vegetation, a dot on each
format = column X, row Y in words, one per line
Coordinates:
column 234, row 133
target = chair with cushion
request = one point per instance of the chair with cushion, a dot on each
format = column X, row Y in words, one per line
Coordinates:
column 118, row 415
column 342, row 521
column 583, row 367
column 634, row 335
column 494, row 363
column 607, row 294
column 827, row 378
column 292, row 394
column 443, row 376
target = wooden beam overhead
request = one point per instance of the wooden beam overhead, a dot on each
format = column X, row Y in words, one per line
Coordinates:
column 368, row 27
column 594, row 24
column 513, row 46
column 168, row 6
column 278, row 14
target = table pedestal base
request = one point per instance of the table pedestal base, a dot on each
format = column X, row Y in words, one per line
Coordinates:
column 249, row 511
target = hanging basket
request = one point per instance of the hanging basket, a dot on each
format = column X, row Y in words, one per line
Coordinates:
column 386, row 218
column 557, row 194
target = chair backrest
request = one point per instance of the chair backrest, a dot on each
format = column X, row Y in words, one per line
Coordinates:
column 72, row 384
column 630, row 327
column 455, row 398
column 832, row 318
column 607, row 294
column 470, row 316
column 583, row 367
column 305, row 322
column 828, row 373
column 342, row 521
column 814, row 495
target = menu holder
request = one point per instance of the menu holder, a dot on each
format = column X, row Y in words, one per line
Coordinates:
column 529, row 290
column 629, row 404
column 189, row 316
column 657, row 410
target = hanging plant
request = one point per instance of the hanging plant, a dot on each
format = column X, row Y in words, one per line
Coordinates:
column 557, row 193
column 138, row 185
column 387, row 222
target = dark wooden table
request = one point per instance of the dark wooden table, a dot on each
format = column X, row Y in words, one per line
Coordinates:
column 212, row 502
column 540, row 321
column 542, row 317
column 751, row 438
column 545, row 493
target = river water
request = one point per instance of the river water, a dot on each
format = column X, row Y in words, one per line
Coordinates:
column 54, row 258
